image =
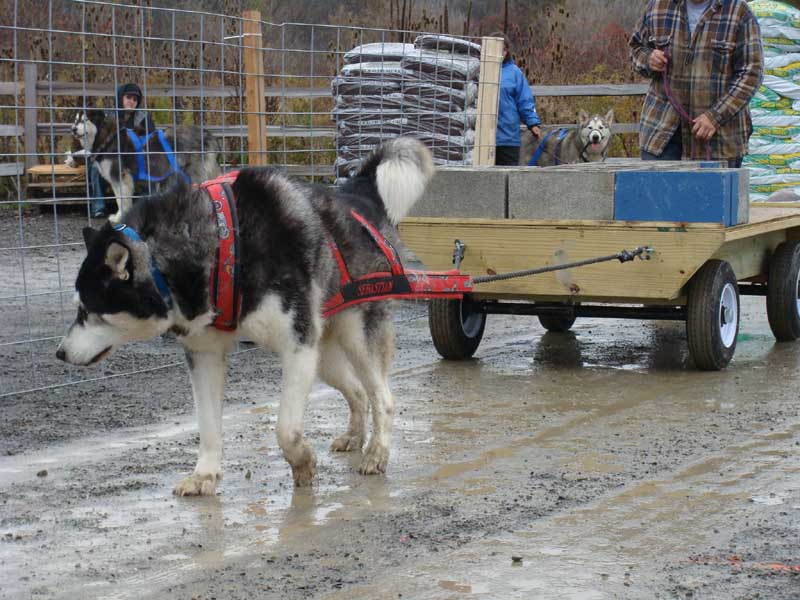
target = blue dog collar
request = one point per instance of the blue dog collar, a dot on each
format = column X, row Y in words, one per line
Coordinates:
column 158, row 277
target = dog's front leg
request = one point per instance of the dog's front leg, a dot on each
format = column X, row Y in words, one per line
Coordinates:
column 299, row 372
column 207, row 371
column 124, row 194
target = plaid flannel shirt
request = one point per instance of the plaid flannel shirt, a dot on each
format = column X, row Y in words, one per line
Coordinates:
column 714, row 72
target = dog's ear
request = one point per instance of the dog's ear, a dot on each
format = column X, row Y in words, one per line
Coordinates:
column 583, row 118
column 89, row 236
column 117, row 260
column 609, row 118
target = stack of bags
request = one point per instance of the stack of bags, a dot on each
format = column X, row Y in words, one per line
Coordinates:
column 774, row 155
column 427, row 90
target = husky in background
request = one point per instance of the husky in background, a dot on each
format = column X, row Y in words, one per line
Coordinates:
column 137, row 286
column 588, row 142
column 98, row 132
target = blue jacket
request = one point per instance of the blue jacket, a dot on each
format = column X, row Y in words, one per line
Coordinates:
column 516, row 104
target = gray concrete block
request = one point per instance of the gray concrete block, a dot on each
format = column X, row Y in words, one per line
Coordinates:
column 744, row 195
column 467, row 192
column 561, row 194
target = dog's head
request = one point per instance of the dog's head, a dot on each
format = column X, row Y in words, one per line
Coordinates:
column 85, row 125
column 595, row 133
column 118, row 300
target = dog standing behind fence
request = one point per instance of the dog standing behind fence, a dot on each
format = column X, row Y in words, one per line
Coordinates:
column 188, row 152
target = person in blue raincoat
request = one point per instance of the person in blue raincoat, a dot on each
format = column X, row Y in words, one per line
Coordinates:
column 516, row 106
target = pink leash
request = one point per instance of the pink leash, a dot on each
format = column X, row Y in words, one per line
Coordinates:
column 679, row 107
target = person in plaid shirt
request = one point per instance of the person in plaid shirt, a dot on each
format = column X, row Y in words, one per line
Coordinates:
column 709, row 52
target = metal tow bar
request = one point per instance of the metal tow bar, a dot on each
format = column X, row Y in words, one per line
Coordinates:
column 642, row 252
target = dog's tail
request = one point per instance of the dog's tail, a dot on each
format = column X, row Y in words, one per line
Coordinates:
column 402, row 168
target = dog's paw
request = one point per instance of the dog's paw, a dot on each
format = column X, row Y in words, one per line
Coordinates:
column 304, row 472
column 115, row 218
column 375, row 460
column 196, row 485
column 347, row 443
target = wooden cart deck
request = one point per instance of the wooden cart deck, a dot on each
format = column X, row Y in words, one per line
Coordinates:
column 505, row 245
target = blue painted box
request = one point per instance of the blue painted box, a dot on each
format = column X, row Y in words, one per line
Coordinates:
column 703, row 196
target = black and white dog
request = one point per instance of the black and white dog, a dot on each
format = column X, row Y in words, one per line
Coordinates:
column 134, row 287
column 194, row 154
column 588, row 142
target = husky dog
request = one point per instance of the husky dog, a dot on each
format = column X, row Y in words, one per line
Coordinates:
column 117, row 158
column 587, row 143
column 136, row 289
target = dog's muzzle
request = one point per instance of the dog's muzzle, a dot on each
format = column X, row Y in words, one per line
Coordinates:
column 595, row 137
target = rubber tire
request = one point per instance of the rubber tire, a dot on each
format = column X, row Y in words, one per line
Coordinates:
column 782, row 308
column 557, row 323
column 702, row 315
column 446, row 320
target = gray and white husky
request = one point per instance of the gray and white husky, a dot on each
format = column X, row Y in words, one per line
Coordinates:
column 99, row 133
column 587, row 143
column 287, row 270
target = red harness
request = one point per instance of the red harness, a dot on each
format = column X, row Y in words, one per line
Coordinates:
column 224, row 284
column 397, row 283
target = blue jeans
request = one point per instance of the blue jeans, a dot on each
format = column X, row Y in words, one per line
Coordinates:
column 674, row 150
column 96, row 187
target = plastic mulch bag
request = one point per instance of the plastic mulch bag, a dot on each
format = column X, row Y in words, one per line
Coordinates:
column 377, row 52
column 446, row 43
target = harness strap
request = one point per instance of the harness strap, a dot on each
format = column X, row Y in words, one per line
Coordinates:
column 394, row 284
column 225, row 280
column 155, row 273
column 139, row 144
column 562, row 133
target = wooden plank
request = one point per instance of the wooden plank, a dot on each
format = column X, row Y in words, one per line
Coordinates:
column 624, row 89
column 30, row 114
column 227, row 130
column 502, row 246
column 92, row 89
column 488, row 97
column 256, row 105
column 57, row 169
column 11, row 131
column 765, row 220
column 750, row 256
column 10, row 169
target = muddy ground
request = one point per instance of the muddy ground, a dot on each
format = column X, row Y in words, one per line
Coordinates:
column 594, row 464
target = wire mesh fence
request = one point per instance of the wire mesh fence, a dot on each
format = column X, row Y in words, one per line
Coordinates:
column 215, row 92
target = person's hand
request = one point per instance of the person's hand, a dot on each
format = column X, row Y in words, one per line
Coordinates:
column 657, row 61
column 703, row 128
column 537, row 133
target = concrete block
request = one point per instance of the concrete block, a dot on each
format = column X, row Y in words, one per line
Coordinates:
column 467, row 192
column 743, row 213
column 560, row 194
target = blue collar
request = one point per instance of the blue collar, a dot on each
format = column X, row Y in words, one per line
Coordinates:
column 158, row 277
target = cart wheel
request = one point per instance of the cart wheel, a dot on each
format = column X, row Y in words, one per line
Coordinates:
column 558, row 323
column 712, row 315
column 456, row 327
column 783, row 292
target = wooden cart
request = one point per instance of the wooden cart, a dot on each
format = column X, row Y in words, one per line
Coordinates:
column 696, row 274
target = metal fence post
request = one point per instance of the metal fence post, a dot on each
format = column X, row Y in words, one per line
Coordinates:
column 30, row 114
column 254, row 88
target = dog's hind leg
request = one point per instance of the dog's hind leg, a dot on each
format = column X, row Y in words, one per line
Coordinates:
column 299, row 372
column 207, row 371
column 336, row 371
column 369, row 344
